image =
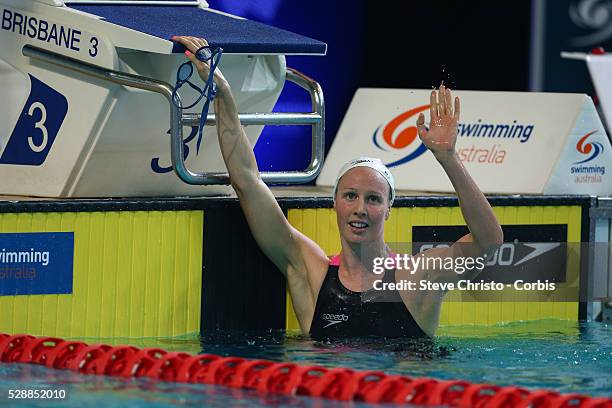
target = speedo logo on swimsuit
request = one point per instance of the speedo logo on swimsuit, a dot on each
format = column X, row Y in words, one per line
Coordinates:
column 333, row 319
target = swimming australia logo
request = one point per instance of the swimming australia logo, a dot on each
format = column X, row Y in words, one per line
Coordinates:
column 334, row 319
column 398, row 135
column 591, row 172
column 593, row 149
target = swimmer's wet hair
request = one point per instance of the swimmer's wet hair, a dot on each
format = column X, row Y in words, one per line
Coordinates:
column 373, row 163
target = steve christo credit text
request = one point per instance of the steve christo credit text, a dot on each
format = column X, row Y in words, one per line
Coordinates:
column 459, row 265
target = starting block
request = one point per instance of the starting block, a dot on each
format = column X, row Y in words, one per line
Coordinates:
column 599, row 64
column 87, row 97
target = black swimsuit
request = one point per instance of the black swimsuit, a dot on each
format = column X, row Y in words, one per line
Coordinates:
column 340, row 312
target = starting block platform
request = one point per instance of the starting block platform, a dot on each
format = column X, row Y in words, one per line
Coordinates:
column 87, row 96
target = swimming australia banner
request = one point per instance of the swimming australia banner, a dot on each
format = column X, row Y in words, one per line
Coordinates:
column 511, row 142
column 36, row 263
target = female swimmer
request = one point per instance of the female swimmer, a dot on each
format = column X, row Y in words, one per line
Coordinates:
column 336, row 298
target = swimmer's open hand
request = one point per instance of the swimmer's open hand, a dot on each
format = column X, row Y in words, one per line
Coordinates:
column 442, row 133
column 193, row 44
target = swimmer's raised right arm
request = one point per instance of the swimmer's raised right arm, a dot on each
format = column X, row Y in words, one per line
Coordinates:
column 301, row 260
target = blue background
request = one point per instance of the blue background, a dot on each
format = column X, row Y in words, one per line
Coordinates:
column 470, row 45
column 393, row 44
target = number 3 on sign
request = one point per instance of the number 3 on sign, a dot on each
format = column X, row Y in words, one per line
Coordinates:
column 93, row 49
column 39, row 125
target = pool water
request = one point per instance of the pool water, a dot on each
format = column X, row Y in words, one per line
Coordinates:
column 566, row 357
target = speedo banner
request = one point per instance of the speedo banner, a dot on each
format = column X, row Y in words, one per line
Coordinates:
column 535, row 263
column 530, row 253
column 510, row 142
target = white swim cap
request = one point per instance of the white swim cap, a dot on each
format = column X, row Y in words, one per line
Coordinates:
column 372, row 163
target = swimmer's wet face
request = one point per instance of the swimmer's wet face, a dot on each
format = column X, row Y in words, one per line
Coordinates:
column 362, row 205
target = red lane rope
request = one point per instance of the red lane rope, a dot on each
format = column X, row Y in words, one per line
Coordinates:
column 282, row 378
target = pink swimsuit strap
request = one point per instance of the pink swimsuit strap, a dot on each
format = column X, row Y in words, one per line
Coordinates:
column 334, row 260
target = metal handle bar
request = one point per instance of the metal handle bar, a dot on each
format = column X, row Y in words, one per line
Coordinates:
column 316, row 118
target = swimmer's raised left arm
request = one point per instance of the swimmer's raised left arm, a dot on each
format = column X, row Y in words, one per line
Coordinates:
column 485, row 232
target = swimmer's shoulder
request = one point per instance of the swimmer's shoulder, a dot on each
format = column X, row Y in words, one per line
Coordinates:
column 310, row 263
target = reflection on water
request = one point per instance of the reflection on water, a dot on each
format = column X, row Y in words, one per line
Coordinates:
column 98, row 391
column 566, row 357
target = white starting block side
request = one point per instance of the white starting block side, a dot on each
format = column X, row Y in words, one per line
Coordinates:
column 36, row 158
column 65, row 134
column 511, row 142
column 600, row 67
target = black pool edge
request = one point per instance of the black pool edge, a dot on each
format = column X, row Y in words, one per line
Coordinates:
column 205, row 203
